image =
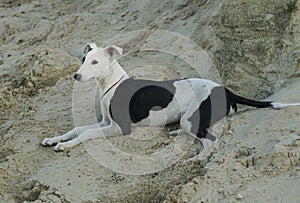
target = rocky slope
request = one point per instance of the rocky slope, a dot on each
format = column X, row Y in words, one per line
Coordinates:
column 250, row 46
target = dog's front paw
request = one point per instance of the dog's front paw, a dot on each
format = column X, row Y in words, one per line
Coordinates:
column 49, row 142
column 62, row 146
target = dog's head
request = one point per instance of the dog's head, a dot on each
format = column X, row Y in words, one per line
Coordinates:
column 96, row 61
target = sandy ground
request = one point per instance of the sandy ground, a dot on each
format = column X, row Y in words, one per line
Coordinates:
column 257, row 159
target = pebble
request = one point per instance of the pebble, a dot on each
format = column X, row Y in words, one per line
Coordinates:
column 221, row 189
column 239, row 196
column 220, row 160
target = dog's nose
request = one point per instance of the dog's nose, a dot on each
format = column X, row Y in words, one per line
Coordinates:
column 77, row 76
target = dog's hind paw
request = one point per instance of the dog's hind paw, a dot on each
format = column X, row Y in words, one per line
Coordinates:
column 206, row 153
column 200, row 157
column 176, row 132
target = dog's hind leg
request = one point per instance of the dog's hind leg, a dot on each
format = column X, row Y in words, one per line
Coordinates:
column 209, row 142
column 196, row 125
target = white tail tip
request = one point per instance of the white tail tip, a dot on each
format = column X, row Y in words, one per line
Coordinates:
column 278, row 105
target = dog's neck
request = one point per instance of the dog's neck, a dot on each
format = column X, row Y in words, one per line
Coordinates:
column 115, row 74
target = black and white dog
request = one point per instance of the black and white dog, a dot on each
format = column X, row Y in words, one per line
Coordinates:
column 195, row 103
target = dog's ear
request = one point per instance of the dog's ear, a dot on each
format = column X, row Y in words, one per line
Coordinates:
column 113, row 51
column 88, row 47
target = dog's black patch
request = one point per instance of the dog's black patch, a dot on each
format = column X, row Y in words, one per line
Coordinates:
column 212, row 109
column 148, row 98
column 133, row 99
column 216, row 106
column 87, row 48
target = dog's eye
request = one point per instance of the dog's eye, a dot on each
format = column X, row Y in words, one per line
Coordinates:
column 94, row 62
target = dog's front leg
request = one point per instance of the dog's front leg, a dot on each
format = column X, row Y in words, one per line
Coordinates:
column 68, row 136
column 105, row 120
column 53, row 140
column 110, row 130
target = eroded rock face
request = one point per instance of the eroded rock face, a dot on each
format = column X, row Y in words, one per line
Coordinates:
column 48, row 65
column 254, row 45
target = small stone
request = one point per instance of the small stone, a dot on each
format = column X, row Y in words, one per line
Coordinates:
column 220, row 160
column 221, row 189
column 230, row 132
column 239, row 196
column 229, row 192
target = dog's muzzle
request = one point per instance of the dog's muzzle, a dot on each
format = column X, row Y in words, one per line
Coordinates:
column 77, row 76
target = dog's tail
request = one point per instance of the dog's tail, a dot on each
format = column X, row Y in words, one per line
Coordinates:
column 234, row 99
